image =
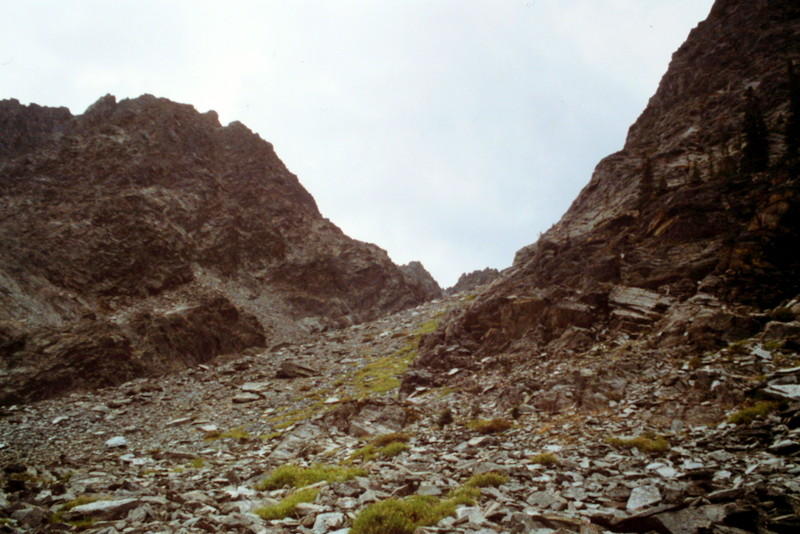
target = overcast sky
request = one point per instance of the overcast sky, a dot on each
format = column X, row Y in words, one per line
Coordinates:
column 447, row 131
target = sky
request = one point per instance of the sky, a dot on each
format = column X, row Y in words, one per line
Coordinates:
column 452, row 132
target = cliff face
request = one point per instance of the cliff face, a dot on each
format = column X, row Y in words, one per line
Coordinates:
column 143, row 236
column 678, row 234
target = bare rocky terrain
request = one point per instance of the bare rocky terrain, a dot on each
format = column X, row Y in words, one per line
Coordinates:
column 637, row 369
column 142, row 236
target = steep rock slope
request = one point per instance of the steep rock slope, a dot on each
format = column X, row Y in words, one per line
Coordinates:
column 683, row 234
column 142, row 236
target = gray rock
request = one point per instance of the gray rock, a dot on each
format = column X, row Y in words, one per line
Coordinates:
column 429, row 489
column 244, row 398
column 294, row 441
column 256, row 387
column 293, row 369
column 327, row 522
column 117, row 441
column 31, row 516
column 642, row 497
column 102, row 509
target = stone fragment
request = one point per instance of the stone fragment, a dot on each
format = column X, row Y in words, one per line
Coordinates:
column 784, row 447
column 429, row 489
column 256, row 387
column 294, row 441
column 783, row 391
column 117, row 441
column 244, row 398
column 293, row 369
column 643, row 496
column 102, row 509
column 177, row 422
column 328, row 521
column 31, row 516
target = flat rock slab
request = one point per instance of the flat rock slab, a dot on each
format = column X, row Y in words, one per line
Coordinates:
column 102, row 509
column 244, row 398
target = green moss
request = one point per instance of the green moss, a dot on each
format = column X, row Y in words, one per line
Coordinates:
column 386, row 439
column 69, row 505
column 485, row 480
column 197, row 463
column 402, row 516
column 544, row 458
column 385, row 446
column 295, row 476
column 747, row 415
column 287, row 506
column 237, row 433
column 383, row 374
column 648, row 443
column 492, row 426
column 428, row 327
column 465, row 495
column 392, row 449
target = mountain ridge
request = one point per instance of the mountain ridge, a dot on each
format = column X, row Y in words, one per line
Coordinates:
column 179, row 238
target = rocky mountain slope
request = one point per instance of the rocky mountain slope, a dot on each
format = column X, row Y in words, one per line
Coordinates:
column 636, row 370
column 684, row 232
column 142, row 236
column 218, row 447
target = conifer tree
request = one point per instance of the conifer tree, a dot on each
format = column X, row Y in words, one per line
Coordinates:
column 755, row 153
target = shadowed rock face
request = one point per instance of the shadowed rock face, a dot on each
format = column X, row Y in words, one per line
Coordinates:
column 146, row 234
column 669, row 224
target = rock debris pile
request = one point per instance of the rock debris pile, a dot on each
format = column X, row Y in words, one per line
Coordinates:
column 583, row 450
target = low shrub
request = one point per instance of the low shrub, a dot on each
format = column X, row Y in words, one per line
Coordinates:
column 287, row 506
column 492, row 426
column 485, row 480
column 295, row 476
column 403, row 516
column 648, row 443
column 544, row 458
column 745, row 416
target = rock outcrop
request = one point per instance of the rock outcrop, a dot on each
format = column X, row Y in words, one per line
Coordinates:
column 473, row 280
column 678, row 233
column 143, row 236
column 417, row 276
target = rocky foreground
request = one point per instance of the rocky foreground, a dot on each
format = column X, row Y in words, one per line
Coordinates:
column 589, row 450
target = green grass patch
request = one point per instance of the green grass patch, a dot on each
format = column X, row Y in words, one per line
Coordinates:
column 491, row 426
column 544, row 458
column 385, row 446
column 237, row 433
column 394, row 437
column 491, row 479
column 427, row 327
column 287, row 506
column 197, row 463
column 403, row 516
column 383, row 374
column 74, row 503
column 648, row 443
column 747, row 415
column 295, row 476
column 370, row 452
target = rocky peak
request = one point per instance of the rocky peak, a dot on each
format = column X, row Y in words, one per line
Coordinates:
column 673, row 218
column 418, row 276
column 23, row 128
column 473, row 280
column 156, row 237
